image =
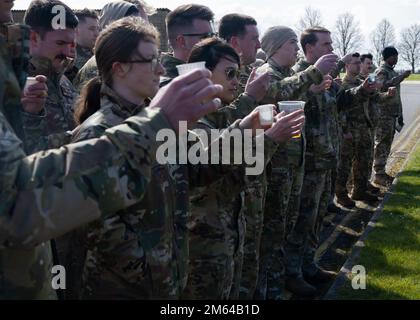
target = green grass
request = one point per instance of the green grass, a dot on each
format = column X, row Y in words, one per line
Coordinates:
column 414, row 77
column 391, row 256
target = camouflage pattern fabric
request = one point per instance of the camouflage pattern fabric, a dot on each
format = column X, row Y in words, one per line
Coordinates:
column 388, row 112
column 355, row 153
column 49, row 130
column 169, row 63
column 323, row 134
column 286, row 175
column 82, row 56
column 14, row 46
column 303, row 238
column 217, row 230
column 86, row 73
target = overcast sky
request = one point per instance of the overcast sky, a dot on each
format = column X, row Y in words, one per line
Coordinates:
column 401, row 13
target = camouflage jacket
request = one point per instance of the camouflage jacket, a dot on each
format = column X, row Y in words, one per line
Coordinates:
column 49, row 129
column 285, row 84
column 362, row 115
column 153, row 231
column 86, row 73
column 147, row 266
column 56, row 191
column 322, row 126
column 243, row 78
column 14, row 50
column 48, row 194
column 82, row 56
column 373, row 105
column 386, row 75
column 169, row 63
column 217, row 223
column 25, row 272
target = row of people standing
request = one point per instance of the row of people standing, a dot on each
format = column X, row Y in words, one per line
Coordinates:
column 236, row 236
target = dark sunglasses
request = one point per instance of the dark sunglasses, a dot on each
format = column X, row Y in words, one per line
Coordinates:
column 232, row 73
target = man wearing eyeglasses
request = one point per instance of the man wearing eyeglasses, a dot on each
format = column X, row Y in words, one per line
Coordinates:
column 186, row 26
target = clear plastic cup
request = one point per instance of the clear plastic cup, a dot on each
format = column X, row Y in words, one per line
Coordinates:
column 187, row 67
column 266, row 114
column 29, row 81
column 291, row 106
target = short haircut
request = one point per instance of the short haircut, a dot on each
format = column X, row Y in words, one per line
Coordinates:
column 39, row 16
column 389, row 52
column 233, row 25
column 212, row 50
column 356, row 55
column 183, row 17
column 82, row 15
column 365, row 56
column 309, row 36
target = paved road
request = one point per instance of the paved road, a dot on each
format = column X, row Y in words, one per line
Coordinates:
column 410, row 95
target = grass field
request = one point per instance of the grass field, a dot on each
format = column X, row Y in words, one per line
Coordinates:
column 414, row 77
column 391, row 256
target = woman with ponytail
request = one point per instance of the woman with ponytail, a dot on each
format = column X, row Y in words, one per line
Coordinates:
column 141, row 252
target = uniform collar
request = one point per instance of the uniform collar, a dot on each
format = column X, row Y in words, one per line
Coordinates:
column 349, row 79
column 169, row 62
column 84, row 51
column 121, row 106
column 387, row 66
column 283, row 70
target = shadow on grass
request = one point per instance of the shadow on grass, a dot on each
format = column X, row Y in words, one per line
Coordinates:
column 372, row 291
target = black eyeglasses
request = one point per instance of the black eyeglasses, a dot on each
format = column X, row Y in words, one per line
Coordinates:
column 154, row 62
column 232, row 73
column 201, row 35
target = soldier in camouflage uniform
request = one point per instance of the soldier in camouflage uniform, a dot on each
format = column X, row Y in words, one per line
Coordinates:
column 186, row 25
column 286, row 167
column 110, row 12
column 216, row 248
column 50, row 60
column 217, row 238
column 390, row 114
column 355, row 152
column 14, row 57
column 15, row 52
column 241, row 32
column 372, row 113
column 152, row 275
column 322, row 150
column 86, row 34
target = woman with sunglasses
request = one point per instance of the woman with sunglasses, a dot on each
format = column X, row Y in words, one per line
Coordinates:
column 217, row 223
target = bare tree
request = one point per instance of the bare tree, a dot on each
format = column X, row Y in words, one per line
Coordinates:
column 311, row 18
column 347, row 35
column 382, row 36
column 409, row 48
